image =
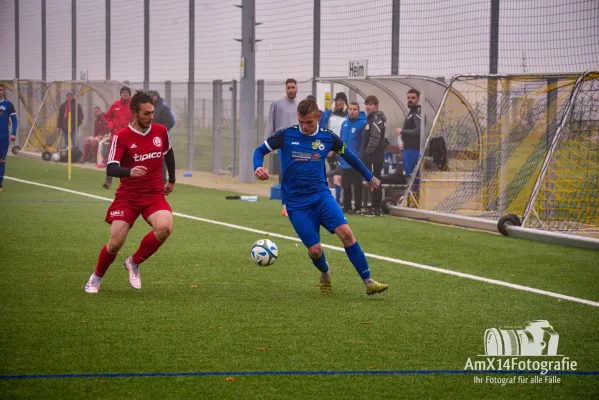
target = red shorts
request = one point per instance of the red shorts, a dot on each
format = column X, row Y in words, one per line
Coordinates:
column 126, row 209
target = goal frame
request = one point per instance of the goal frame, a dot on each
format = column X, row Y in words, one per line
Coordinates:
column 489, row 224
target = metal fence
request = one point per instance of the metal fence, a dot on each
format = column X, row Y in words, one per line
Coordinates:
column 165, row 45
column 60, row 40
column 215, row 116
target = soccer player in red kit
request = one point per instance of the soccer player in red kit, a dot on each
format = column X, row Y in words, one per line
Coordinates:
column 136, row 156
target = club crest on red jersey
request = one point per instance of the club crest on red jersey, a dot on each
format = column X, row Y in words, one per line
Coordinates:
column 157, row 141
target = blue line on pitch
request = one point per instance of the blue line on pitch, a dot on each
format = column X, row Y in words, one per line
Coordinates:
column 272, row 373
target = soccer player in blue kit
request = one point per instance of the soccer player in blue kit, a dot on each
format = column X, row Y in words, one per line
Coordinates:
column 7, row 113
column 305, row 192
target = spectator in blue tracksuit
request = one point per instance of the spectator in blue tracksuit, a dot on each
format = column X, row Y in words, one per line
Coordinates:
column 351, row 134
column 7, row 113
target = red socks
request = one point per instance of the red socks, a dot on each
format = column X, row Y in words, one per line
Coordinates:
column 148, row 246
column 104, row 261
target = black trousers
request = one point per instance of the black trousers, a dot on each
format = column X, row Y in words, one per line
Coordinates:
column 351, row 179
column 377, row 195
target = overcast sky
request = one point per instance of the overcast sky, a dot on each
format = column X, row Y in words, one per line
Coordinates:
column 437, row 38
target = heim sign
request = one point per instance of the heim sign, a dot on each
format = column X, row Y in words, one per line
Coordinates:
column 357, row 69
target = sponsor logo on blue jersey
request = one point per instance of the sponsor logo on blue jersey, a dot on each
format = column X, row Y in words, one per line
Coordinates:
column 301, row 155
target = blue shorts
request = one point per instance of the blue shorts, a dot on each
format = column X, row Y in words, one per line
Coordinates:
column 307, row 221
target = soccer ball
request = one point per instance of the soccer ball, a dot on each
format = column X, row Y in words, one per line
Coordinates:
column 264, row 252
column 56, row 157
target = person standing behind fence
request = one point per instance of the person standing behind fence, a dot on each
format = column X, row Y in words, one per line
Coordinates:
column 62, row 123
column 162, row 113
column 118, row 116
column 163, row 116
column 410, row 133
column 7, row 114
column 372, row 152
column 352, row 131
column 283, row 114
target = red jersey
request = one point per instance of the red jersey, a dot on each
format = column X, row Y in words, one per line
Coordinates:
column 130, row 148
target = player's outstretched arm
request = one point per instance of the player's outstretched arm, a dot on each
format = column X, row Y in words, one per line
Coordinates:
column 115, row 170
column 271, row 144
column 358, row 165
column 259, row 170
column 355, row 162
column 169, row 160
column 13, row 121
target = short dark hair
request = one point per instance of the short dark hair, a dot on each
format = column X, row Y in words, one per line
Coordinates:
column 371, row 100
column 290, row 80
column 307, row 107
column 125, row 89
column 140, row 98
column 353, row 103
column 414, row 91
column 96, row 107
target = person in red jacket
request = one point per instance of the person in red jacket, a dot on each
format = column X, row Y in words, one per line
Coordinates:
column 118, row 116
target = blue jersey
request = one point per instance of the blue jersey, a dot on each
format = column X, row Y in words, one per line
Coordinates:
column 303, row 160
column 7, row 112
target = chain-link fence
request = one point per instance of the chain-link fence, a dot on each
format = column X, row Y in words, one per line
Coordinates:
column 104, row 39
column 146, row 43
column 215, row 116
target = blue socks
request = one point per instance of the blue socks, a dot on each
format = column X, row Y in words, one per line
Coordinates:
column 358, row 259
column 337, row 193
column 320, row 263
column 355, row 255
column 2, row 171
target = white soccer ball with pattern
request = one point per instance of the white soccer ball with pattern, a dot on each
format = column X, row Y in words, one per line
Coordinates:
column 264, row 252
column 56, row 157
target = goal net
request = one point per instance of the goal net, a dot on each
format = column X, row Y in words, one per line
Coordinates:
column 528, row 145
column 46, row 134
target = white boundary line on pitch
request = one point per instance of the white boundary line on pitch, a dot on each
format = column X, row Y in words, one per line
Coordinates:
column 377, row 257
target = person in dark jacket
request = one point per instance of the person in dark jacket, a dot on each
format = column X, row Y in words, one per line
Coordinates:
column 372, row 152
column 163, row 116
column 62, row 124
column 410, row 133
column 162, row 113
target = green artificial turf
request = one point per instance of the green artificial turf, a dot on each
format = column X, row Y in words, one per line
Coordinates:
column 204, row 307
